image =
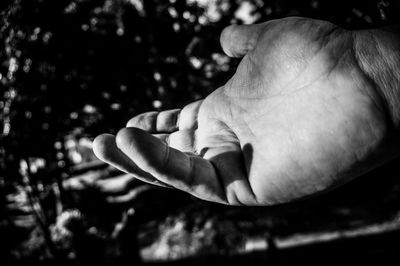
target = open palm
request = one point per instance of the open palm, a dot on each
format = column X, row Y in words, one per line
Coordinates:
column 299, row 117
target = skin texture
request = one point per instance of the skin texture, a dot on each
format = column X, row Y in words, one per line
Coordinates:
column 300, row 116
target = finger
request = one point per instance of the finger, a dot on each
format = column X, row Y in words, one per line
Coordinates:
column 186, row 172
column 182, row 140
column 237, row 40
column 105, row 149
column 189, row 115
column 156, row 122
column 167, row 121
column 117, row 184
column 128, row 197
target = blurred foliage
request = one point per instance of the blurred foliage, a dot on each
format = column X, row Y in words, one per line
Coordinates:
column 71, row 69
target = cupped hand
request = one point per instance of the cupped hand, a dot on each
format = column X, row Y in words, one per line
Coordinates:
column 299, row 117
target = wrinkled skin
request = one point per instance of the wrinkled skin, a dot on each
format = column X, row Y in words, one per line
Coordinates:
column 299, row 117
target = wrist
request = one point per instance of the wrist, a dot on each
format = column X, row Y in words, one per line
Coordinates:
column 378, row 54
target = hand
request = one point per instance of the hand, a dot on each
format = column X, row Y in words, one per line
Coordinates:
column 299, row 117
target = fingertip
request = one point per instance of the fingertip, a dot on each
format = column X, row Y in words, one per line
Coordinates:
column 145, row 121
column 156, row 122
column 226, row 38
column 132, row 122
column 238, row 40
column 125, row 149
column 102, row 144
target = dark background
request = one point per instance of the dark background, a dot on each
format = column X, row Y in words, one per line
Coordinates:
column 72, row 69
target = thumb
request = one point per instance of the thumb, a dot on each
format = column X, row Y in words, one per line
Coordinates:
column 237, row 40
